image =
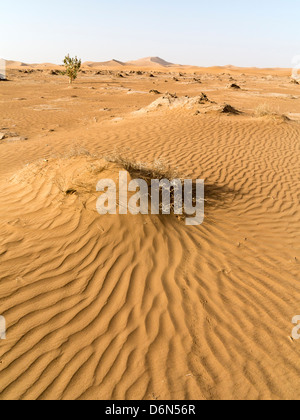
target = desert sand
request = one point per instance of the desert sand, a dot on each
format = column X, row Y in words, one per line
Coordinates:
column 144, row 307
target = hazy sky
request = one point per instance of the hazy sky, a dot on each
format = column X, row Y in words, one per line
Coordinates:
column 262, row 33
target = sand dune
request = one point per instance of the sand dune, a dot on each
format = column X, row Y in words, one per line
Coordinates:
column 156, row 63
column 150, row 62
column 144, row 307
column 111, row 63
column 15, row 64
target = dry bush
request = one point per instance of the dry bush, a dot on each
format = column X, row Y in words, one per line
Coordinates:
column 265, row 110
column 77, row 150
column 73, row 66
column 158, row 169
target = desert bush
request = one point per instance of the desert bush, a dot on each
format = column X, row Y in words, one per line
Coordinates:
column 73, row 66
column 265, row 110
column 158, row 169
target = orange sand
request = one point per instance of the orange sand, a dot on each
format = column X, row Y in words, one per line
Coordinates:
column 143, row 307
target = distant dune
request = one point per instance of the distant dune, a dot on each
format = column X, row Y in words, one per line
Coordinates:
column 11, row 64
column 15, row 64
column 150, row 61
column 45, row 65
column 111, row 63
column 156, row 63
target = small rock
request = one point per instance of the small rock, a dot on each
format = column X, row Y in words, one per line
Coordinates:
column 203, row 98
column 172, row 95
column 234, row 86
column 228, row 109
column 2, row 136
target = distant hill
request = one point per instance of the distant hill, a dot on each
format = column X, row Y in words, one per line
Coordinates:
column 15, row 64
column 150, row 62
column 154, row 63
column 111, row 63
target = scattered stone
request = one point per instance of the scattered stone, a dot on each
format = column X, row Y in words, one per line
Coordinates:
column 294, row 82
column 155, row 92
column 228, row 109
column 172, row 95
column 169, row 101
column 151, row 75
column 2, row 136
column 234, row 86
column 175, row 79
column 203, row 98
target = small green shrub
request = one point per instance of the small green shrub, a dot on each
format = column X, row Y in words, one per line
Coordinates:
column 73, row 66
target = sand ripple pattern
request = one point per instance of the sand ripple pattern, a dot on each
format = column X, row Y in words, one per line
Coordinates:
column 144, row 307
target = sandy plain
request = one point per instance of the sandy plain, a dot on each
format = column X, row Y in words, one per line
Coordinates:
column 144, row 307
